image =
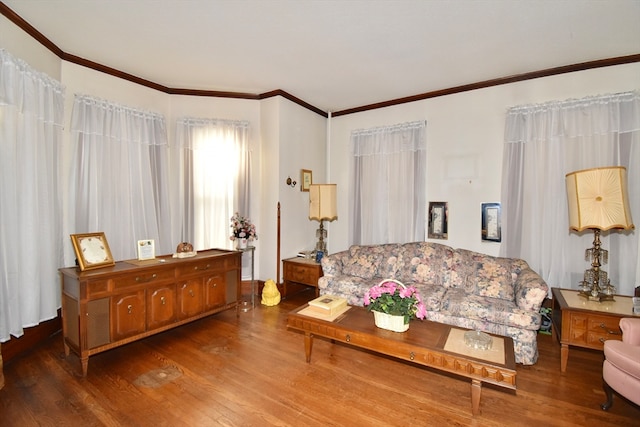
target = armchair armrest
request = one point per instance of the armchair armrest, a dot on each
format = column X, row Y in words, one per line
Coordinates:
column 530, row 290
column 332, row 264
column 630, row 330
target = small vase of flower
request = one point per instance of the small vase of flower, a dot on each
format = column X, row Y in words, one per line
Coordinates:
column 394, row 305
column 242, row 230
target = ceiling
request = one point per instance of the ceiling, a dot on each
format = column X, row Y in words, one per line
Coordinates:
column 334, row 55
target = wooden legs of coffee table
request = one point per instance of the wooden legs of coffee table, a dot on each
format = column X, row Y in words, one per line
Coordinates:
column 564, row 357
column 308, row 344
column 476, row 389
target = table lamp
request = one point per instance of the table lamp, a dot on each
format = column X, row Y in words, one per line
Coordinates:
column 322, row 207
column 598, row 200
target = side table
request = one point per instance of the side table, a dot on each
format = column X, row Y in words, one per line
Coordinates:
column 245, row 304
column 583, row 323
column 305, row 271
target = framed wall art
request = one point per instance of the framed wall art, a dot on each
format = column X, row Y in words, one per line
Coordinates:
column 92, row 250
column 491, row 222
column 306, row 179
column 438, row 220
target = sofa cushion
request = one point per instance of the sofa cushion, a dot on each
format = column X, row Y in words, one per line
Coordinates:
column 491, row 278
column 484, row 275
column 457, row 302
column 383, row 259
column 424, row 262
column 363, row 264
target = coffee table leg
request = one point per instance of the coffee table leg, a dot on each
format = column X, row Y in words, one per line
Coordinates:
column 476, row 389
column 564, row 357
column 308, row 344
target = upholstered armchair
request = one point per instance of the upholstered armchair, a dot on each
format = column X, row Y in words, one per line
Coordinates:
column 621, row 368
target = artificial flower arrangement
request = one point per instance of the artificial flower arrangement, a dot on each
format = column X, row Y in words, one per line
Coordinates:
column 396, row 299
column 242, row 228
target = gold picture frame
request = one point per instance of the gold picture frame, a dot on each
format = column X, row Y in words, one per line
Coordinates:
column 306, row 179
column 92, row 250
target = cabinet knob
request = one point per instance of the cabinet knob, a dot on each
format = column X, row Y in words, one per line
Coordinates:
column 191, row 292
column 129, row 309
column 163, row 300
column 412, row 356
column 348, row 338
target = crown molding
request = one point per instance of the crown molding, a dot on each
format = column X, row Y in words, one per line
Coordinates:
column 37, row 35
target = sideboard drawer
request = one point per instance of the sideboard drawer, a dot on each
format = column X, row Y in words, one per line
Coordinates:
column 200, row 267
column 144, row 277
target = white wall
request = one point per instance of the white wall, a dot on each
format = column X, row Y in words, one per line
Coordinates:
column 301, row 139
column 465, row 135
column 23, row 46
column 464, row 143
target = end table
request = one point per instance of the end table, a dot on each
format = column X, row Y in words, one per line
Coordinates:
column 305, row 271
column 588, row 324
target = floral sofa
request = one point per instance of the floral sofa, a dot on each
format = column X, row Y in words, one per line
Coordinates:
column 459, row 287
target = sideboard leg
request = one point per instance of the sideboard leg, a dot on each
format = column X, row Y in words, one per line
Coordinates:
column 84, row 361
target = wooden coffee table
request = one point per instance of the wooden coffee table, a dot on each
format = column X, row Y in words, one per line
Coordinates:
column 431, row 344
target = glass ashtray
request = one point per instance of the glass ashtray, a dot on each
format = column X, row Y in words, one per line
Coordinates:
column 477, row 340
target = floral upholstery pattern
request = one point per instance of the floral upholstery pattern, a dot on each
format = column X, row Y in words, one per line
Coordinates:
column 459, row 287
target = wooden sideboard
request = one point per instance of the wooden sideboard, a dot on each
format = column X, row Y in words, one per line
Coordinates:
column 116, row 305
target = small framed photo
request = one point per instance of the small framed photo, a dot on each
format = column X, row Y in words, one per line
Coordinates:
column 438, row 220
column 146, row 249
column 92, row 250
column 491, row 222
column 306, row 180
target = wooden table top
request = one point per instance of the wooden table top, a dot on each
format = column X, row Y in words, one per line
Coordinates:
column 424, row 343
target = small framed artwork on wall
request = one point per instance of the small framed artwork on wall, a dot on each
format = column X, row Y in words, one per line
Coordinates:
column 491, row 222
column 438, row 220
column 306, row 179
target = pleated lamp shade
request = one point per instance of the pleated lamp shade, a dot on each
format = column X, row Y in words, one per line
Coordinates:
column 598, row 199
column 322, row 202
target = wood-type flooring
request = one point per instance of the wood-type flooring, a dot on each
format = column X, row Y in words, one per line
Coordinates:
column 249, row 370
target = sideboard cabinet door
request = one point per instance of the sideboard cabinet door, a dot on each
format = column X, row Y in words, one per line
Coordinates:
column 190, row 298
column 127, row 315
column 215, row 290
column 161, row 306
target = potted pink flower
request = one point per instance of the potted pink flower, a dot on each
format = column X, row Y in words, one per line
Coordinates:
column 394, row 305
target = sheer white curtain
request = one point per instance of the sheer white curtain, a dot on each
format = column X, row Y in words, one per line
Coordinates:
column 210, row 161
column 119, row 175
column 388, row 184
column 542, row 144
column 31, row 116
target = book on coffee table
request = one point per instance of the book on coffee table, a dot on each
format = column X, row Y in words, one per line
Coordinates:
column 328, row 304
column 317, row 314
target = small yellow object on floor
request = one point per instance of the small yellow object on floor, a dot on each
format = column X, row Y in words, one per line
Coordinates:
column 270, row 293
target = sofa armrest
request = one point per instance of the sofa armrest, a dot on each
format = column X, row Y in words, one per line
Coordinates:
column 332, row 264
column 630, row 330
column 530, row 290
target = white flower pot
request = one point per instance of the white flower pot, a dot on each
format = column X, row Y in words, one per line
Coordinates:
column 242, row 243
column 389, row 322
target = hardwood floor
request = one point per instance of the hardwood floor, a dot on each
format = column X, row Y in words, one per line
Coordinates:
column 251, row 371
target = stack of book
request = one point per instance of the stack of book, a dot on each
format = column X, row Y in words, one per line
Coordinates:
column 326, row 307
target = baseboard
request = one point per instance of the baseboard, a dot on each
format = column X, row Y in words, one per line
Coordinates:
column 31, row 338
